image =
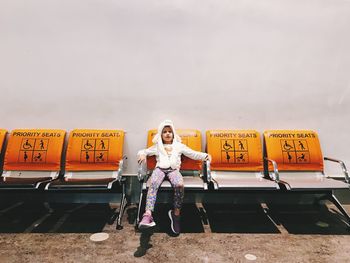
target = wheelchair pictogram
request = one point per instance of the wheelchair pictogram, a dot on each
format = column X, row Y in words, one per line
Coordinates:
column 27, row 145
column 226, row 146
column 87, row 145
column 287, row 145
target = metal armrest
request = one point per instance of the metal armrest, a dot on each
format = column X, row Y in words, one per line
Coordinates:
column 44, row 182
column 121, row 167
column 207, row 162
column 275, row 170
column 141, row 174
column 109, row 186
column 342, row 164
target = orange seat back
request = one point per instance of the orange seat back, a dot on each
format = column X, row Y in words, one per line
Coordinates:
column 34, row 149
column 294, row 150
column 2, row 138
column 235, row 150
column 94, row 150
column 189, row 137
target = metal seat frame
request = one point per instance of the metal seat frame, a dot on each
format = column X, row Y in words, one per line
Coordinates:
column 90, row 186
column 307, row 182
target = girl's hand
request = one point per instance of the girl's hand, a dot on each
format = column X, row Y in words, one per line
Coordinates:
column 208, row 158
column 142, row 157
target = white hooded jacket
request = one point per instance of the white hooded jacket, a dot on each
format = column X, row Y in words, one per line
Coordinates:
column 174, row 160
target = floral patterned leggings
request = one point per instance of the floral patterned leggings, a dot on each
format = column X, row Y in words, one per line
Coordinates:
column 157, row 178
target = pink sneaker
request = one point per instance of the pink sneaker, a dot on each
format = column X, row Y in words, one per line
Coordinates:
column 146, row 222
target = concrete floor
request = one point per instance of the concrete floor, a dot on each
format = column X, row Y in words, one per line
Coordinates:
column 211, row 233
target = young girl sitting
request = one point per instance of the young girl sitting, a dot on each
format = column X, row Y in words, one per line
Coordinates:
column 168, row 150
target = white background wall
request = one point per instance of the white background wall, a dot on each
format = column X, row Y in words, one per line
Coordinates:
column 205, row 64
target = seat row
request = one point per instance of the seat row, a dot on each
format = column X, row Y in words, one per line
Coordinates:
column 35, row 160
column 93, row 161
column 288, row 161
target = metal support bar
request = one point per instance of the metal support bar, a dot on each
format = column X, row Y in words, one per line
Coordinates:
column 208, row 171
column 142, row 171
column 335, row 201
column 121, row 210
column 139, row 208
column 121, row 167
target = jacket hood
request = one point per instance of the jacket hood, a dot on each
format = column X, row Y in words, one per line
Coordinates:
column 158, row 137
column 157, row 140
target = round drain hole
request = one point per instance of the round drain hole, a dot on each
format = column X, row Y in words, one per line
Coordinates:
column 98, row 237
column 250, row 257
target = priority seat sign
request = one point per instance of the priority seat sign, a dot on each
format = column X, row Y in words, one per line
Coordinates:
column 235, row 150
column 294, row 150
column 94, row 150
column 34, row 150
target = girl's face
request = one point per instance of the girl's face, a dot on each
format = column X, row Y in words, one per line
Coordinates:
column 167, row 135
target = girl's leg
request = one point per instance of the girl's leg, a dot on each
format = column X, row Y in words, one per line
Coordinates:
column 157, row 178
column 176, row 181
